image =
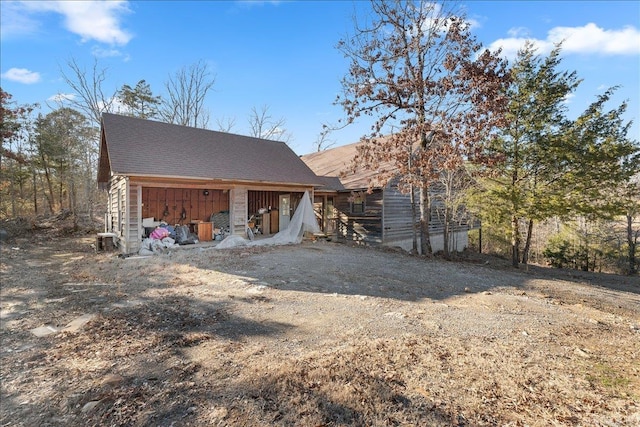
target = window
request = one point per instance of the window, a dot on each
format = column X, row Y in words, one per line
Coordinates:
column 357, row 202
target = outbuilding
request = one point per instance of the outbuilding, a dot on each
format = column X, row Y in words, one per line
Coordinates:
column 212, row 181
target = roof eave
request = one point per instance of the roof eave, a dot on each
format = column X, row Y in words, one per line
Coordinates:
column 208, row 178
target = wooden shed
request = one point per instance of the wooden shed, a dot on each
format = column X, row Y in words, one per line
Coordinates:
column 155, row 172
column 381, row 216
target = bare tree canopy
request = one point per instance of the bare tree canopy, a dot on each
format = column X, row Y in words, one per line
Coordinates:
column 187, row 90
column 89, row 96
column 225, row 124
column 323, row 141
column 263, row 125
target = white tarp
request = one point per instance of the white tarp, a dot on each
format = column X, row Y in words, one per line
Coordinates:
column 303, row 219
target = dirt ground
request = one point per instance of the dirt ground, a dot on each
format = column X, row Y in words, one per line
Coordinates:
column 318, row 334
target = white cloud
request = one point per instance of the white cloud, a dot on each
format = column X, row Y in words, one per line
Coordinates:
column 511, row 46
column 91, row 20
column 100, row 52
column 62, row 97
column 433, row 22
column 118, row 107
column 518, row 32
column 473, row 23
column 21, row 75
column 14, row 22
column 588, row 39
column 593, row 39
column 568, row 98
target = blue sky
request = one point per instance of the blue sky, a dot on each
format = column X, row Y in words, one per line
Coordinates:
column 281, row 54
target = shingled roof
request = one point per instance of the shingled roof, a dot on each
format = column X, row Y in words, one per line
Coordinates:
column 337, row 162
column 136, row 147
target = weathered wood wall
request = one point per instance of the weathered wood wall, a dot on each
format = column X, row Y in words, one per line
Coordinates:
column 365, row 228
column 262, row 199
column 397, row 223
column 387, row 218
column 117, row 208
column 133, row 230
column 123, row 214
column 196, row 205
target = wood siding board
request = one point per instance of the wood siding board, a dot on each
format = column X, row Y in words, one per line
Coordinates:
column 361, row 228
column 125, row 221
column 133, row 221
column 397, row 215
column 197, row 205
column 239, row 211
column 116, row 208
column 262, row 199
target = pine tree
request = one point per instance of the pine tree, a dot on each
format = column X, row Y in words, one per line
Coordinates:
column 140, row 101
column 552, row 166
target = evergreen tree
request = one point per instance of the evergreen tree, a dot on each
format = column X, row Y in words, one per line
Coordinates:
column 15, row 124
column 600, row 160
column 140, row 101
column 550, row 165
column 526, row 143
column 62, row 138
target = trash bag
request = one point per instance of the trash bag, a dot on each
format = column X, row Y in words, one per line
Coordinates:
column 182, row 234
column 159, row 233
column 170, row 229
column 184, row 237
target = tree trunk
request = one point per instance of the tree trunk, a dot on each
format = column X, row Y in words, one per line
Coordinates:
column 61, row 187
column 414, row 216
column 35, row 192
column 72, row 204
column 47, row 176
column 21, row 185
column 445, row 235
column 527, row 244
column 425, row 210
column 515, row 242
column 12, row 190
column 632, row 242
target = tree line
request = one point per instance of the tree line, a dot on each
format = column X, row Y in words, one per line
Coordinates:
column 455, row 125
column 48, row 162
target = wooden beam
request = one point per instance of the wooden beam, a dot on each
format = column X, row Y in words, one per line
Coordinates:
column 212, row 185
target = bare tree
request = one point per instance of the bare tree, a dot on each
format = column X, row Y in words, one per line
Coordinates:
column 89, row 95
column 323, row 142
column 415, row 67
column 263, row 125
column 91, row 99
column 452, row 187
column 226, row 124
column 187, row 90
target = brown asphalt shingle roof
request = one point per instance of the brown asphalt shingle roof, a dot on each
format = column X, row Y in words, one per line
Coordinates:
column 336, row 162
column 132, row 146
column 331, row 183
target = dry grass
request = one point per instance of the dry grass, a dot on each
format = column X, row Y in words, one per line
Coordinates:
column 265, row 337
